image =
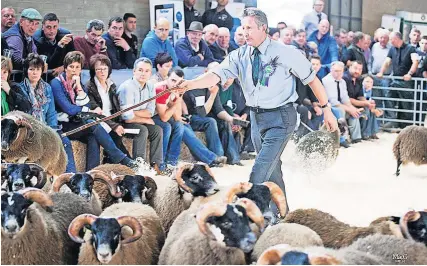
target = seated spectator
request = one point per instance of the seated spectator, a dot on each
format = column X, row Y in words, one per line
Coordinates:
column 131, row 92
column 102, row 95
column 422, row 57
column 207, row 115
column 192, row 50
column 92, row 43
column 274, row 34
column 218, row 16
column 414, row 37
column 341, row 40
column 72, row 103
column 118, row 50
column 53, row 42
column 163, row 64
column 11, row 96
column 210, row 36
column 327, row 47
column 287, row 36
column 316, row 63
column 190, row 13
column 130, row 27
column 370, row 127
column 19, row 37
column 157, row 41
column 223, row 45
column 356, row 52
column 336, row 89
column 239, row 38
column 8, row 19
column 281, row 25
column 300, row 42
column 38, row 95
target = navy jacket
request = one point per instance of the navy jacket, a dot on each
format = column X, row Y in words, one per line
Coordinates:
column 187, row 57
column 18, row 45
column 120, row 59
column 218, row 53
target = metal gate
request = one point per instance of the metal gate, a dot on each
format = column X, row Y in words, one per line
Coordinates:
column 346, row 14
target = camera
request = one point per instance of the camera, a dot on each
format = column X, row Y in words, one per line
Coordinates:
column 186, row 118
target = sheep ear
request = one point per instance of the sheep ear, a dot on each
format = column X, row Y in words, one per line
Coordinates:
column 113, row 175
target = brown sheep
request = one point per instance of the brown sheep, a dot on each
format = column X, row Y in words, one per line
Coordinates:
column 334, row 233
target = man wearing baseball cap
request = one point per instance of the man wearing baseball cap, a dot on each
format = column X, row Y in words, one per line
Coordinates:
column 191, row 50
column 19, row 36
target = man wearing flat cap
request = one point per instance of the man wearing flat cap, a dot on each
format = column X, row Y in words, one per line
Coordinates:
column 20, row 36
column 192, row 50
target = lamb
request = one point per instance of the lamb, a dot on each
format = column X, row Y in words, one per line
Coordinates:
column 191, row 181
column 110, row 242
column 334, row 233
column 15, row 177
column 130, row 187
column 23, row 138
column 411, row 146
column 220, row 234
column 34, row 227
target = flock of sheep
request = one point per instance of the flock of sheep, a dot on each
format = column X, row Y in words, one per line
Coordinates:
column 111, row 215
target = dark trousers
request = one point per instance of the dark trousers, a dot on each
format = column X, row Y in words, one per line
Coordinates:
column 154, row 134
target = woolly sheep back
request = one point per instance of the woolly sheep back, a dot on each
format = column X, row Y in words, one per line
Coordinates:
column 411, row 145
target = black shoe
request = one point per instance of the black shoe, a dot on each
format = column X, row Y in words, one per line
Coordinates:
column 218, row 162
column 345, row 144
column 130, row 163
column 365, row 138
column 246, row 156
column 356, row 141
column 238, row 163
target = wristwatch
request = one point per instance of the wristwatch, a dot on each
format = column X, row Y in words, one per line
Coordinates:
column 325, row 105
column 410, row 73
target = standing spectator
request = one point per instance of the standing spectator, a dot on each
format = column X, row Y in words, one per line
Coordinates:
column 218, row 16
column 422, row 53
column 366, row 50
column 192, row 50
column 287, row 35
column 403, row 59
column 311, row 20
column 163, row 65
column 102, row 94
column 20, row 36
column 300, row 42
column 326, row 45
column 131, row 92
column 8, row 18
column 356, row 52
column 53, row 42
column 157, row 41
column 281, row 25
column 239, row 38
column 118, row 50
column 341, row 39
column 130, row 27
column 414, row 37
column 190, row 13
column 274, row 34
column 92, row 43
column 223, row 44
column 350, row 36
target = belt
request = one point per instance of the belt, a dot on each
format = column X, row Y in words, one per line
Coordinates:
column 262, row 110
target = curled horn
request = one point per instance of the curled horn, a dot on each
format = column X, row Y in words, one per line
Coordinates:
column 242, row 187
column 253, row 212
column 278, row 197
column 77, row 224
column 208, row 210
column 61, row 180
column 270, row 257
column 408, row 217
column 151, row 187
column 178, row 177
column 103, row 177
column 133, row 223
column 41, row 177
column 22, row 121
column 37, row 195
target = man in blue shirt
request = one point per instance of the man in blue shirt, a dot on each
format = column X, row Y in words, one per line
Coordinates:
column 326, row 44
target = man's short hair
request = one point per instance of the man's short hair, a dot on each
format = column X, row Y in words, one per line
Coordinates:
column 356, row 62
column 128, row 15
column 337, row 63
column 315, row 56
column 397, row 34
column 144, row 60
column 161, row 59
column 424, row 37
column 50, row 17
column 339, row 32
column 177, row 72
column 416, row 30
column 358, row 36
column 282, row 22
column 116, row 19
column 368, row 76
column 95, row 24
column 260, row 17
column 298, row 31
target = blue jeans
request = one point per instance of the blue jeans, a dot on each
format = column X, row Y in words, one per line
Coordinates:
column 172, row 137
column 209, row 126
column 228, row 142
column 196, row 147
column 337, row 114
column 369, row 127
column 270, row 134
column 71, row 164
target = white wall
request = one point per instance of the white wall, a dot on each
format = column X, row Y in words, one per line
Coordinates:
column 289, row 11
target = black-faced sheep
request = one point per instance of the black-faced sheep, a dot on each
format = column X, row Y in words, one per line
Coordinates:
column 220, row 234
column 34, row 227
column 334, row 233
column 19, row 176
column 125, row 233
column 25, row 139
column 190, row 181
column 410, row 146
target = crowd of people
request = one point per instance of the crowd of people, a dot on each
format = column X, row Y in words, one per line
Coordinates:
column 349, row 64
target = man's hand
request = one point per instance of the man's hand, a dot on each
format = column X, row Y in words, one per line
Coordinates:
column 66, row 40
column 235, row 128
column 97, row 110
column 354, row 112
column 201, row 57
column 317, row 110
column 57, row 71
column 407, row 77
column 120, row 130
column 214, row 89
column 330, row 120
column 122, row 43
column 149, row 121
column 244, row 117
column 380, row 75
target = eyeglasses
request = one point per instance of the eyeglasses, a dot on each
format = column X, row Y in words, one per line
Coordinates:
column 101, row 69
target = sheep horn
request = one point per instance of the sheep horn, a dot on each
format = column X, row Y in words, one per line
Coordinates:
column 37, row 195
column 270, row 257
column 103, row 177
column 77, row 224
column 133, row 223
column 408, row 217
column 208, row 210
column 180, row 181
column 42, row 175
column 151, row 187
column 208, row 169
column 253, row 212
column 25, row 123
column 242, row 187
column 61, row 180
column 278, row 197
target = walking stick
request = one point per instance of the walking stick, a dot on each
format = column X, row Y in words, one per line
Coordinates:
column 85, row 126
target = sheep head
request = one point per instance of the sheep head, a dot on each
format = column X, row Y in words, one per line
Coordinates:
column 15, row 209
column 414, row 226
column 135, row 188
column 228, row 224
column 19, row 176
column 106, row 233
column 196, row 179
column 14, row 129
